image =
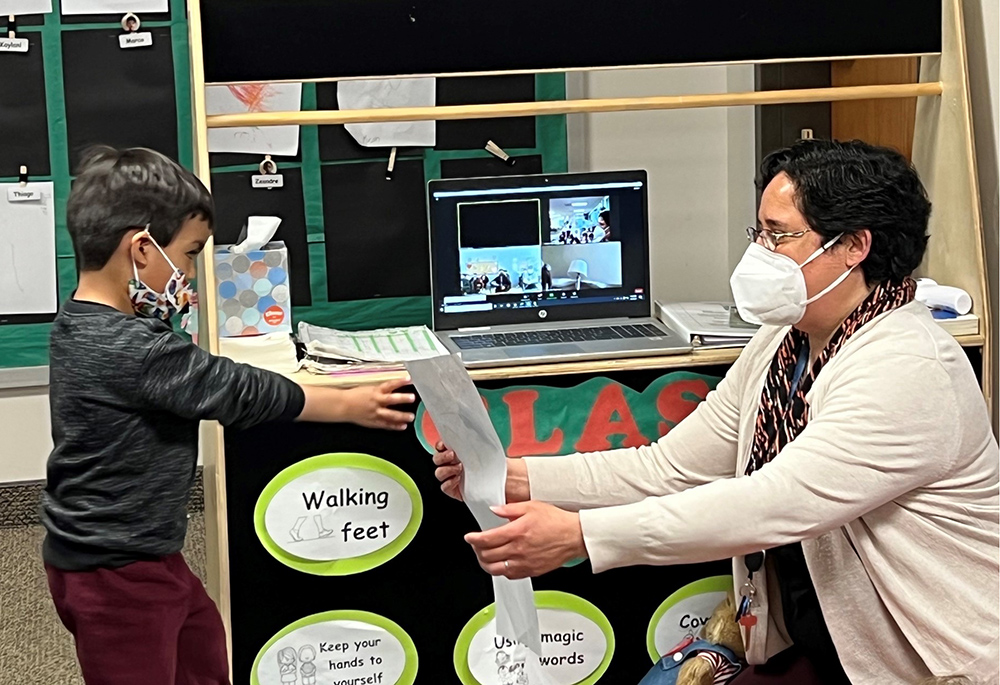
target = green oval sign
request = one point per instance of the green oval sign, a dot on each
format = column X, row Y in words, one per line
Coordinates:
column 577, row 644
column 335, row 647
column 683, row 614
column 338, row 514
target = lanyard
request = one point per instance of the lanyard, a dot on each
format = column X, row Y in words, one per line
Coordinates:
column 755, row 561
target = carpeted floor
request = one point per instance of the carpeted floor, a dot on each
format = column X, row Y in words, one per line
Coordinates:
column 35, row 649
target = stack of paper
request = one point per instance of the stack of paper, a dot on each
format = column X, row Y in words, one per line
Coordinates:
column 707, row 324
column 271, row 351
column 957, row 324
column 333, row 351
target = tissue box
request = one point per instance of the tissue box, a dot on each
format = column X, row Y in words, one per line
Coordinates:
column 253, row 290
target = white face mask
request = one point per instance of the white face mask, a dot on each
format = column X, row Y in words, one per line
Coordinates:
column 769, row 287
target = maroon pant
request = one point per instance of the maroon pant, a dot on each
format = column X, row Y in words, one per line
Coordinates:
column 149, row 622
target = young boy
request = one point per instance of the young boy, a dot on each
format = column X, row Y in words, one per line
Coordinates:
column 126, row 396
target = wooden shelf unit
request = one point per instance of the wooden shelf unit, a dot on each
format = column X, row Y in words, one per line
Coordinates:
column 942, row 152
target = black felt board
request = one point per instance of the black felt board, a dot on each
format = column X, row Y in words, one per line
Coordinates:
column 23, row 20
column 23, row 124
column 435, row 585
column 473, row 134
column 119, row 97
column 360, row 38
column 336, row 144
column 235, row 200
column 490, row 166
column 376, row 231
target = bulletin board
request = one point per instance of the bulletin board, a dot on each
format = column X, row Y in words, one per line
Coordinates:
column 75, row 87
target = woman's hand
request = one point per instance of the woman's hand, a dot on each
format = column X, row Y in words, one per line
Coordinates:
column 539, row 538
column 450, row 473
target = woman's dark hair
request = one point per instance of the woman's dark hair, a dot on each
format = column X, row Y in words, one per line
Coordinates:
column 606, row 215
column 850, row 186
column 116, row 191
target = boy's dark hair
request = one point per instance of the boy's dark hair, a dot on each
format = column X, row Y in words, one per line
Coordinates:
column 116, row 191
column 606, row 215
column 850, row 186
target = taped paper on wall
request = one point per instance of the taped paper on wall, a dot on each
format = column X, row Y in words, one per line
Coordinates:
column 114, row 6
column 382, row 93
column 27, row 249
column 17, row 7
column 254, row 97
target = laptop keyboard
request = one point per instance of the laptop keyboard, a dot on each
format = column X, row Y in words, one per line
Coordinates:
column 546, row 337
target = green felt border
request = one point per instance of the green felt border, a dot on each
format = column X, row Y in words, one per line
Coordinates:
column 339, row 567
column 698, row 587
column 544, row 599
column 409, row 674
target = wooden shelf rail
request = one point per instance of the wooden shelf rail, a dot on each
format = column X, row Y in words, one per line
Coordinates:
column 531, row 109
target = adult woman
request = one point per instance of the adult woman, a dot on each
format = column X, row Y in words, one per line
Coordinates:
column 850, row 440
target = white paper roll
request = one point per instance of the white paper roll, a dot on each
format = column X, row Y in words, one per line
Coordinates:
column 944, row 297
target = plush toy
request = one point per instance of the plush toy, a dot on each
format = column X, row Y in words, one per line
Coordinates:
column 713, row 658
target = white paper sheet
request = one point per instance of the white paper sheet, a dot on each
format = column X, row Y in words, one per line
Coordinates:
column 27, row 251
column 457, row 409
column 119, row 7
column 377, row 94
column 392, row 345
column 254, row 97
column 17, row 7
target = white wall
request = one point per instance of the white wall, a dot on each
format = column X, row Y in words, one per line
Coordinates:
column 25, row 434
column 700, row 165
column 982, row 26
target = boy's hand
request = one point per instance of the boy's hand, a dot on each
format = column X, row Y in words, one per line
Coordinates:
column 369, row 405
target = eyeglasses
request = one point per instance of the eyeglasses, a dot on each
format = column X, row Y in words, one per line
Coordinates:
column 771, row 239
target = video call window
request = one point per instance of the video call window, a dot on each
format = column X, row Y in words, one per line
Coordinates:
column 580, row 220
column 503, row 248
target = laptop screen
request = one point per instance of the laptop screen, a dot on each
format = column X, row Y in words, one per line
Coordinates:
column 526, row 249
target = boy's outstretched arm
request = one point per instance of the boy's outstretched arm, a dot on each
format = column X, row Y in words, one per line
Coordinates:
column 368, row 405
column 185, row 380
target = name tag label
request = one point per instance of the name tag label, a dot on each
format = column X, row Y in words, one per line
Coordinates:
column 267, row 181
column 135, row 40
column 13, row 44
column 23, row 195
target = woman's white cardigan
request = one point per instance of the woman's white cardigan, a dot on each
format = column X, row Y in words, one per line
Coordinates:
column 892, row 489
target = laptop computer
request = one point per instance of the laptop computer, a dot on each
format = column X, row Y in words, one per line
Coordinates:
column 544, row 268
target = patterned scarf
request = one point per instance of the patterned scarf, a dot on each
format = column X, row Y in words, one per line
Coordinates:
column 781, row 417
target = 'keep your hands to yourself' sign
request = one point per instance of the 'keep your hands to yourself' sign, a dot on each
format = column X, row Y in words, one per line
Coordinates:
column 338, row 648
